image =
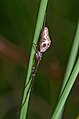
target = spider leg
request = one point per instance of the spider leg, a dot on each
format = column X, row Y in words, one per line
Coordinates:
column 35, row 46
column 33, row 68
column 27, row 82
column 29, row 90
column 31, row 81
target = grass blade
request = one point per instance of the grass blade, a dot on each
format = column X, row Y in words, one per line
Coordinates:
column 39, row 24
column 71, row 62
column 66, row 91
column 72, row 57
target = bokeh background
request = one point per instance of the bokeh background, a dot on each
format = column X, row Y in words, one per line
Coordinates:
column 17, row 24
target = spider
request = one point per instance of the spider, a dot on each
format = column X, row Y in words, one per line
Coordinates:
column 43, row 45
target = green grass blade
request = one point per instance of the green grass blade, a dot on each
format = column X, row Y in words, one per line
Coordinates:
column 71, row 61
column 66, row 91
column 39, row 24
column 72, row 57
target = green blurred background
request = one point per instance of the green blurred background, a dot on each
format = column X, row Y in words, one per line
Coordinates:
column 17, row 24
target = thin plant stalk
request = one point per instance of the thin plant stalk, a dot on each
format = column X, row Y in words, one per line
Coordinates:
column 66, row 91
column 71, row 61
column 72, row 57
column 39, row 23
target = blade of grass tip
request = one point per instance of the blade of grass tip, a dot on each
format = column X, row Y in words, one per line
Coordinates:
column 66, row 91
column 71, row 61
column 39, row 24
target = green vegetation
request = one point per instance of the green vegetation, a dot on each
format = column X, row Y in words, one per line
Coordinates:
column 20, row 25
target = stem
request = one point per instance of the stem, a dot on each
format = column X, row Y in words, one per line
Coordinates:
column 42, row 9
column 66, row 91
column 71, row 61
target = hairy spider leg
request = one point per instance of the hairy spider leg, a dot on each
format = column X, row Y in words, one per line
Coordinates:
column 29, row 89
column 33, row 68
column 31, row 82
